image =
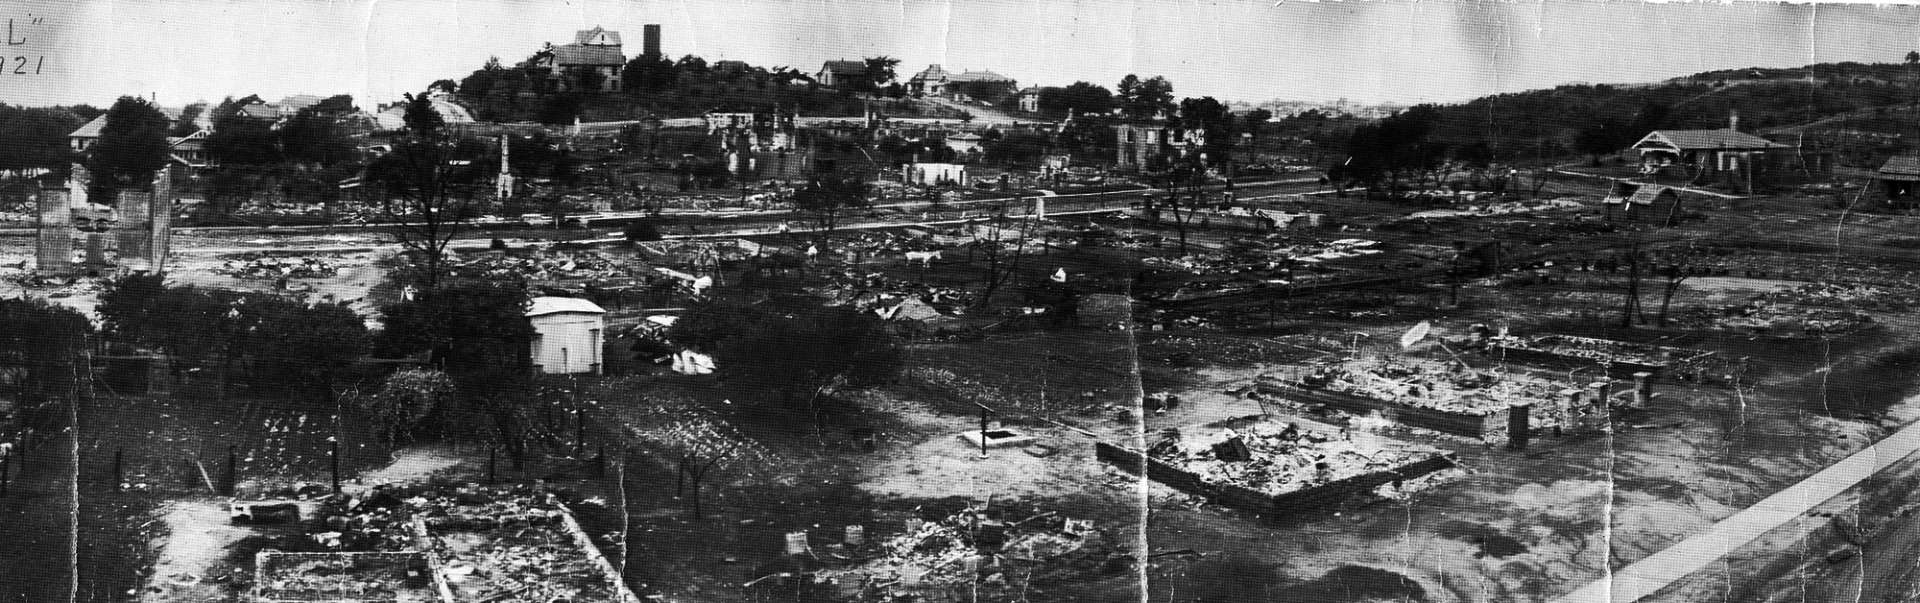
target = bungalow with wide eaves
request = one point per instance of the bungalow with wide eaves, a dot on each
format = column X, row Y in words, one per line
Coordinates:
column 1726, row 156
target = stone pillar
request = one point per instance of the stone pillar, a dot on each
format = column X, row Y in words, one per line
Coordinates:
column 134, row 208
column 1519, row 425
column 53, row 232
column 1642, row 389
column 1569, row 407
column 1602, row 405
column 160, row 221
column 144, row 231
column 96, row 250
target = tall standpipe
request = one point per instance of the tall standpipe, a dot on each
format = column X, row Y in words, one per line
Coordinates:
column 53, row 232
column 650, row 40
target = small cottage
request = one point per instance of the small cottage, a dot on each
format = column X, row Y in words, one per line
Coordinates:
column 1643, row 203
column 1899, row 179
column 568, row 334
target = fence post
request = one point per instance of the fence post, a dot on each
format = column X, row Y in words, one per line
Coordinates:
column 493, row 461
column 6, row 473
column 334, row 458
column 600, row 462
column 232, row 469
column 118, row 454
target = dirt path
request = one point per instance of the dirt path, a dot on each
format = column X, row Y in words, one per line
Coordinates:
column 199, row 535
column 1701, row 550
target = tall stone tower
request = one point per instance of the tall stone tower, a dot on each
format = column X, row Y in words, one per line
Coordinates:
column 650, row 40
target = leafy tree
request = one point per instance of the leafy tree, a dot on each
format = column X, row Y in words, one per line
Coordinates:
column 42, row 344
column 446, row 86
column 1080, row 98
column 240, row 140
column 1145, row 99
column 37, row 137
column 132, row 146
column 794, row 347
column 422, row 119
column 188, row 122
column 477, row 332
column 405, row 399
column 692, row 65
column 1023, row 148
column 650, row 74
column 313, row 136
column 879, row 72
column 1391, row 149
column 829, row 196
column 295, row 346
column 339, row 104
column 1599, row 138
column 1913, row 57
column 1210, row 115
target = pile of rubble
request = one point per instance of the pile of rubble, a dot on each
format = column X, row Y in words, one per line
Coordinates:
column 1492, row 209
column 256, row 267
column 872, row 290
column 1277, row 458
column 981, row 553
column 1763, row 317
column 1423, row 383
column 549, row 266
column 1600, row 350
column 1847, row 296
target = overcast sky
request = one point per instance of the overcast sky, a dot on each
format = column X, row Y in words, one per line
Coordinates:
column 1386, row 51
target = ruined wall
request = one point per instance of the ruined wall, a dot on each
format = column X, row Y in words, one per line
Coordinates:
column 1291, row 503
column 144, row 232
column 1490, row 428
column 53, row 233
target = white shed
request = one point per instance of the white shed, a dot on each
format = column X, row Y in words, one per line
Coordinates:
column 568, row 334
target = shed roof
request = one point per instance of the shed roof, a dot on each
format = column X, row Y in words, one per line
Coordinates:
column 562, row 305
column 932, row 72
column 1901, row 167
column 980, row 76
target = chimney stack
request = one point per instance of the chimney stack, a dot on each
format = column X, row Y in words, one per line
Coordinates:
column 1733, row 119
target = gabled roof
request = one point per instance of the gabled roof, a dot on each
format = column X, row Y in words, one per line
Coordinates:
column 1030, row 90
column 261, row 111
column 576, row 54
column 90, row 129
column 931, row 73
column 965, row 136
column 583, row 36
column 857, row 67
column 1904, row 167
column 543, row 306
column 295, row 103
column 980, row 76
column 1688, row 140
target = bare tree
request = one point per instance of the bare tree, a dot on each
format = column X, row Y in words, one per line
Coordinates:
column 429, row 181
column 702, row 446
column 1675, row 266
column 1002, row 250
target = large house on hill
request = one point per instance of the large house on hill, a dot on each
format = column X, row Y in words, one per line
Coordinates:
column 594, row 51
column 837, row 73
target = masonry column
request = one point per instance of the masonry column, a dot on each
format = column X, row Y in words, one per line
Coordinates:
column 53, row 232
column 134, row 208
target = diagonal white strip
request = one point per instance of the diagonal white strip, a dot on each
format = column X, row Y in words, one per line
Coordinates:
column 1649, row 575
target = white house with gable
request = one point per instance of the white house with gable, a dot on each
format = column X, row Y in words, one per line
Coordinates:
column 568, row 335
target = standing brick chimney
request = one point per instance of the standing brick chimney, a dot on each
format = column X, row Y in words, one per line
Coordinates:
column 1733, row 119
